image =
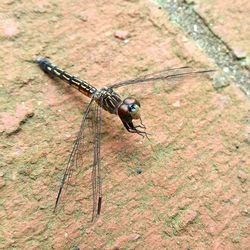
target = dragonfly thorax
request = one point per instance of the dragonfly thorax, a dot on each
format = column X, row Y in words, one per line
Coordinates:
column 108, row 99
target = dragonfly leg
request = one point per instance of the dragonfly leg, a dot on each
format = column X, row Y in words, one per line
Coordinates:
column 140, row 126
column 142, row 123
column 133, row 129
column 141, row 133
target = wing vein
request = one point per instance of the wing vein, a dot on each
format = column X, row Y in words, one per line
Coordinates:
column 169, row 74
column 73, row 159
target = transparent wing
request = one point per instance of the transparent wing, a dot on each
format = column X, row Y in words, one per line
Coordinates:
column 96, row 171
column 76, row 156
column 168, row 75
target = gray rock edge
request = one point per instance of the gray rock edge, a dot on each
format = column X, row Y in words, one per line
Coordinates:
column 195, row 26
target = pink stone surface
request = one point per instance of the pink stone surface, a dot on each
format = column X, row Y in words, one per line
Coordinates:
column 193, row 192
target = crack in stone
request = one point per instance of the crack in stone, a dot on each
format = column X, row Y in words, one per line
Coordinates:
column 182, row 13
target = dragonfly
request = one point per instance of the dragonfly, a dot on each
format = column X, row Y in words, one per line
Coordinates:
column 127, row 109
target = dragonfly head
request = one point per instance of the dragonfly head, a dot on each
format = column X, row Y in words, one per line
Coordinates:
column 128, row 111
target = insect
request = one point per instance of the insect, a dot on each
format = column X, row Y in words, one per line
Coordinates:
column 128, row 110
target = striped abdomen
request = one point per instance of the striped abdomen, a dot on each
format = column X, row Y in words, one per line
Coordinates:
column 53, row 70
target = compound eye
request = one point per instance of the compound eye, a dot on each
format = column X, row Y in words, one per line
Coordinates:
column 133, row 108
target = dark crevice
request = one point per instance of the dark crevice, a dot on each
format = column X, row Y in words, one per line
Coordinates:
column 200, row 31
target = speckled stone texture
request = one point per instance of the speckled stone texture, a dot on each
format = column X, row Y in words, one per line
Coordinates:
column 186, row 188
